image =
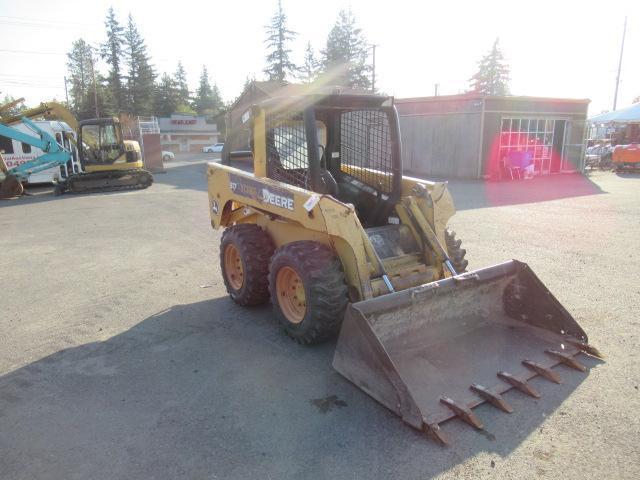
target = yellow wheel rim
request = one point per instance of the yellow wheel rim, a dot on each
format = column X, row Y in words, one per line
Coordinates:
column 233, row 267
column 291, row 297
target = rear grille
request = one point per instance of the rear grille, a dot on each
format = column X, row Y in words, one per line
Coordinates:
column 366, row 148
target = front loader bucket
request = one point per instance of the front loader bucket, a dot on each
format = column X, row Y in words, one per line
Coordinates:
column 11, row 187
column 436, row 351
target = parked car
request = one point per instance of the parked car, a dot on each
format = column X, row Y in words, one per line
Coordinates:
column 166, row 156
column 215, row 148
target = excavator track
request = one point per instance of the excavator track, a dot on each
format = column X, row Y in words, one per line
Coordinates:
column 110, row 181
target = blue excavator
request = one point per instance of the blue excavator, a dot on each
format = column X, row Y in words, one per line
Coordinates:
column 52, row 156
column 108, row 161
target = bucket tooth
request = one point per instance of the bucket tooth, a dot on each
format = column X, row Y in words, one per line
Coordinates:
column 520, row 384
column 462, row 411
column 586, row 348
column 542, row 371
column 494, row 399
column 567, row 359
column 434, row 431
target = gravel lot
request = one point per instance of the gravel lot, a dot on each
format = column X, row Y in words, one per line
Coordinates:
column 122, row 357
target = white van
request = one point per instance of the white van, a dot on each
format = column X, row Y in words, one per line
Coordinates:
column 16, row 153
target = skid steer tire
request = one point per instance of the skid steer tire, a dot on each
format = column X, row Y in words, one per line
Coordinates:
column 308, row 291
column 245, row 251
column 455, row 252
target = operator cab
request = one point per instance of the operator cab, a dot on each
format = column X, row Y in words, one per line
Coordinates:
column 347, row 146
column 101, row 141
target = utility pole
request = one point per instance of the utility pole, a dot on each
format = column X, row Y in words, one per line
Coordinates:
column 435, row 89
column 66, row 92
column 624, row 33
column 373, row 73
column 95, row 87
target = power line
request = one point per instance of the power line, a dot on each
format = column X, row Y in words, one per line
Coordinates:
column 41, row 26
column 16, row 22
column 31, row 52
column 22, row 88
column 43, row 20
column 18, row 76
column 30, row 84
column 9, row 86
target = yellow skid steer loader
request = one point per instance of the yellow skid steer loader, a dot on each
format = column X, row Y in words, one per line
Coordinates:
column 329, row 230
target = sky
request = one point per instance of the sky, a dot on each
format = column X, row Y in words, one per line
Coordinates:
column 566, row 49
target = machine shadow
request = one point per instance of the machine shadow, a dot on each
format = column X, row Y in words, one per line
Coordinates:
column 44, row 193
column 213, row 388
column 628, row 174
column 193, row 175
column 469, row 195
column 183, row 175
column 37, row 193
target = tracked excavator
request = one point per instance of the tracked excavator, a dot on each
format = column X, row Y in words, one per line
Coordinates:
column 108, row 161
column 330, row 231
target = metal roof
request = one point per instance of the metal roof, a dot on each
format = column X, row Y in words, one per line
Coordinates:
column 479, row 96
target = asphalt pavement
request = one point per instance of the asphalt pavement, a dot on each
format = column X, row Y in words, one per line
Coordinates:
column 122, row 357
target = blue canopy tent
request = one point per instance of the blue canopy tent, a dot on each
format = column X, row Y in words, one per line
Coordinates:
column 624, row 115
column 622, row 126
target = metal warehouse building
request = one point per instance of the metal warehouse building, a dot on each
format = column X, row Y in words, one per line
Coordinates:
column 476, row 136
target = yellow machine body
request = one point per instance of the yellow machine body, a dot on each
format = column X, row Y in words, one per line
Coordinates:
column 131, row 148
column 428, row 342
column 237, row 196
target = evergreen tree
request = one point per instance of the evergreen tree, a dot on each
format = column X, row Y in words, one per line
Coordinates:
column 111, row 53
column 279, row 64
column 78, row 65
column 167, row 96
column 185, row 108
column 345, row 56
column 218, row 104
column 249, row 79
column 86, row 83
column 492, row 77
column 310, row 68
column 180, row 78
column 140, row 76
column 207, row 99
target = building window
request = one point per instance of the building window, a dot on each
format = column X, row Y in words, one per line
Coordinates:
column 526, row 140
column 6, row 145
